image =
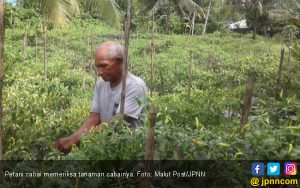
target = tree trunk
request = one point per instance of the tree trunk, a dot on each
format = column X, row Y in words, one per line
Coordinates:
column 125, row 60
column 206, row 19
column 45, row 55
column 247, row 102
column 167, row 31
column 1, row 77
column 149, row 146
column 254, row 30
column 193, row 23
column 265, row 31
column 277, row 90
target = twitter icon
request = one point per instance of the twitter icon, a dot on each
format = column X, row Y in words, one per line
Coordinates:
column 273, row 169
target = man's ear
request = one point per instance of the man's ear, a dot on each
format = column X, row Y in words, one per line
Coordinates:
column 119, row 60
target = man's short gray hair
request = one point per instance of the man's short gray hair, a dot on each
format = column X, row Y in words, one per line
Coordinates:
column 114, row 50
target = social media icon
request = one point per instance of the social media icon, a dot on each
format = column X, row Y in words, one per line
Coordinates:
column 290, row 168
column 273, row 169
column 258, row 169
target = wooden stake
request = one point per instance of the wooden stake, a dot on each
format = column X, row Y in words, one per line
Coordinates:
column 24, row 44
column 190, row 75
column 87, row 54
column 83, row 80
column 162, row 82
column 125, row 60
column 36, row 50
column 45, row 55
column 66, row 47
column 25, row 39
column 152, row 57
column 2, row 28
column 247, row 102
column 149, row 146
column 277, row 90
column 92, row 55
column 290, row 48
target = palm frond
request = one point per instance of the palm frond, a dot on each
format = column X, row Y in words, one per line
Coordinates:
column 145, row 5
column 158, row 5
column 191, row 6
column 109, row 11
column 59, row 11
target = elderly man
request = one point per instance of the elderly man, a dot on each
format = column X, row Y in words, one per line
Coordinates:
column 107, row 95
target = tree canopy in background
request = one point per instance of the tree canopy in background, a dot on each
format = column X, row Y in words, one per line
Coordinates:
column 171, row 16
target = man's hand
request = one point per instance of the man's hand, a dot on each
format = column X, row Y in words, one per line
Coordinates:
column 65, row 144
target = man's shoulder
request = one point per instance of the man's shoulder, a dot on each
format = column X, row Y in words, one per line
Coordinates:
column 100, row 84
column 134, row 81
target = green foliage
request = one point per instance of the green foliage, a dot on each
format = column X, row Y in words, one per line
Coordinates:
column 19, row 17
column 206, row 126
column 289, row 33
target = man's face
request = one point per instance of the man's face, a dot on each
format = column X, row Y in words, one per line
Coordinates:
column 110, row 70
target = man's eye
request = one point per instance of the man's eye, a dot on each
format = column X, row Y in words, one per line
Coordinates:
column 100, row 66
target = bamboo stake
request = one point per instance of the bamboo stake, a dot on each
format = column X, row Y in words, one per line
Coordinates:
column 125, row 60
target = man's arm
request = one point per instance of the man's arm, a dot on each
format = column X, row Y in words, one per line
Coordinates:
column 65, row 144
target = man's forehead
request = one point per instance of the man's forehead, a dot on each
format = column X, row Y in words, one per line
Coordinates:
column 101, row 52
column 102, row 49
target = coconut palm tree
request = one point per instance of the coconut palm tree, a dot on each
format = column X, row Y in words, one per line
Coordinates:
column 60, row 12
column 187, row 8
column 255, row 12
column 274, row 12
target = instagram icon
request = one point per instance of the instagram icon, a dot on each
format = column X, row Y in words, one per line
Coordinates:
column 290, row 168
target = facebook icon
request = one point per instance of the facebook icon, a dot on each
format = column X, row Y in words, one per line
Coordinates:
column 258, row 169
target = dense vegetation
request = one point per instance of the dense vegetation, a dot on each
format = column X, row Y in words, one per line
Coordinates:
column 203, row 126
